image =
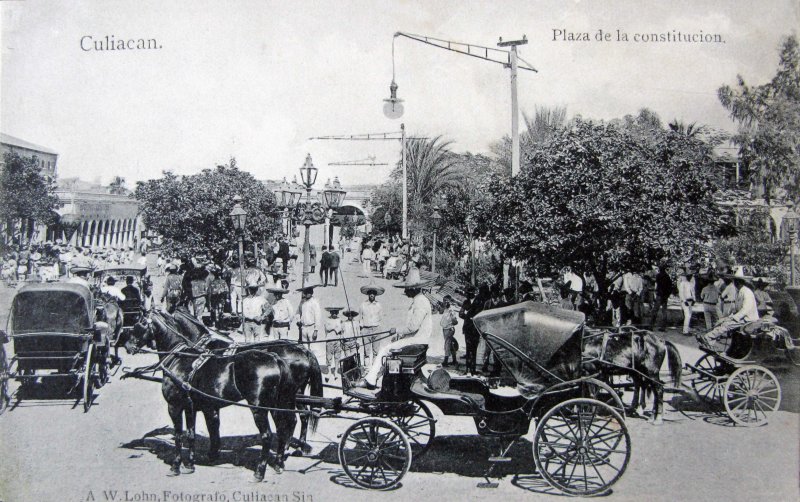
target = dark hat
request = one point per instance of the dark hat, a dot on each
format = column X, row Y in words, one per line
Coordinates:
column 349, row 314
column 111, row 281
column 277, row 291
column 308, row 288
column 334, row 310
column 365, row 290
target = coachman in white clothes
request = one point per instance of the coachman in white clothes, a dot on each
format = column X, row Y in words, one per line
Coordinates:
column 417, row 330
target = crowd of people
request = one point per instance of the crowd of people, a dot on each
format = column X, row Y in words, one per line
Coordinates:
column 52, row 260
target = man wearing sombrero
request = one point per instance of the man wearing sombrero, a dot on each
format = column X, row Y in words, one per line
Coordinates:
column 418, row 327
column 746, row 309
column 255, row 309
column 371, row 312
column 309, row 315
column 282, row 312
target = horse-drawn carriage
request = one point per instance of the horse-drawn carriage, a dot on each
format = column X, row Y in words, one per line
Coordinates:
column 133, row 305
column 54, row 337
column 733, row 370
column 580, row 445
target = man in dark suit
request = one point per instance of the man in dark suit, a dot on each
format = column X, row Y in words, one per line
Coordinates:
column 283, row 252
column 333, row 266
column 324, row 265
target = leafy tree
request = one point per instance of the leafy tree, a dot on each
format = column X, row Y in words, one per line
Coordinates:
column 192, row 213
column 605, row 199
column 769, row 124
column 24, row 193
column 752, row 244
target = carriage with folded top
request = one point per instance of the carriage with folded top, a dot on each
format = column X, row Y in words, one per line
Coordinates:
column 580, row 444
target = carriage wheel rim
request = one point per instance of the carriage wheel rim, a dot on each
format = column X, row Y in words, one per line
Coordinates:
column 87, row 379
column 587, row 449
column 419, row 427
column 751, row 394
column 706, row 388
column 375, row 453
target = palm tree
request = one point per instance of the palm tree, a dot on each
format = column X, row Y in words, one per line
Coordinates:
column 431, row 167
column 117, row 186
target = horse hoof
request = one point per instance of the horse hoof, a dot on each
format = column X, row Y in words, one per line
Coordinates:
column 258, row 477
column 187, row 469
column 297, row 453
column 175, row 471
column 278, row 469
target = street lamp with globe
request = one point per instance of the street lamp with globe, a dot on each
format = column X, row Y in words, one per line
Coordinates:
column 239, row 217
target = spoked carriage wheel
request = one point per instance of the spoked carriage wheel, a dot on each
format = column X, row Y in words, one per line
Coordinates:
column 603, row 392
column 751, row 394
column 88, row 378
column 793, row 354
column 418, row 425
column 375, row 453
column 4, row 377
column 707, row 388
column 581, row 447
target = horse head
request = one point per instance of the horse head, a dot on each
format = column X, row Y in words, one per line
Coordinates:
column 141, row 335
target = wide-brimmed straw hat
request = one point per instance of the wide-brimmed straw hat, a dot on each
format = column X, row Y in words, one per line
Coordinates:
column 413, row 280
column 277, row 291
column 334, row 310
column 308, row 287
column 349, row 314
column 365, row 290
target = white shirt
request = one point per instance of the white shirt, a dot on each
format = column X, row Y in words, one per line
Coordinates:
column 282, row 310
column 371, row 313
column 632, row 283
column 419, row 323
column 254, row 307
column 368, row 254
column 113, row 291
column 685, row 290
column 310, row 314
column 574, row 280
column 333, row 328
column 747, row 308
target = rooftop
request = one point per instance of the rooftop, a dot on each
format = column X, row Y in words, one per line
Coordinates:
column 21, row 143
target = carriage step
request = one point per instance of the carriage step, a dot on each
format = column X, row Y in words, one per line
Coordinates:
column 499, row 459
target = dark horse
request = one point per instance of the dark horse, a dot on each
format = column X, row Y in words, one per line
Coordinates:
column 301, row 361
column 260, row 378
column 638, row 354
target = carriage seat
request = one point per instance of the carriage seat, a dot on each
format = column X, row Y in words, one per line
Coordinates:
column 437, row 387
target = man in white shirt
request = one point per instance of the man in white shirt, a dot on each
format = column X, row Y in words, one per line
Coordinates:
column 282, row 312
column 366, row 261
column 110, row 289
column 632, row 286
column 371, row 313
column 575, row 284
column 686, row 295
column 310, row 321
column 746, row 309
column 255, row 309
column 417, row 330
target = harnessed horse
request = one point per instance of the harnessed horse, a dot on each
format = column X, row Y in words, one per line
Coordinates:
column 198, row 380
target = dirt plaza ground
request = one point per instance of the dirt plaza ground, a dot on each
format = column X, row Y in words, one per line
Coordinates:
column 52, row 451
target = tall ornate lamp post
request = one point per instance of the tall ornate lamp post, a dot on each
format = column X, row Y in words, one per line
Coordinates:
column 437, row 222
column 332, row 195
column 471, row 231
column 239, row 217
column 312, row 212
column 791, row 218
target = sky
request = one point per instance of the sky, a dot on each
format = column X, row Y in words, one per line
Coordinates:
column 255, row 80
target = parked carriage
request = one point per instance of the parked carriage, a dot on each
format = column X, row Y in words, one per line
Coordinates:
column 733, row 370
column 54, row 337
column 581, row 445
column 132, row 308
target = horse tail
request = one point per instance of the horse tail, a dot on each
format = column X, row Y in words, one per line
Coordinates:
column 316, row 389
column 674, row 362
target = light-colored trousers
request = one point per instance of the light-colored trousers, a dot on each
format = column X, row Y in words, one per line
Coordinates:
column 687, row 318
column 712, row 314
column 253, row 332
column 376, row 367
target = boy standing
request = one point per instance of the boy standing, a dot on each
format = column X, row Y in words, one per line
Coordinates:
column 448, row 322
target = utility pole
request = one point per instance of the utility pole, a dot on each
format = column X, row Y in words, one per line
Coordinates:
column 514, row 103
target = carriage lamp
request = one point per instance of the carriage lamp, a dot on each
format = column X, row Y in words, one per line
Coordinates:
column 791, row 220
